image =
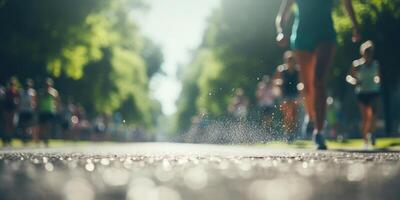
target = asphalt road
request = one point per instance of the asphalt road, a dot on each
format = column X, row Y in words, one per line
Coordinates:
column 161, row 171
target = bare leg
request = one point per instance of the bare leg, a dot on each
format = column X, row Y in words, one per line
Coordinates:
column 324, row 57
column 367, row 117
column 287, row 116
column 367, row 121
column 364, row 128
column 8, row 129
column 44, row 129
column 294, row 115
column 306, row 61
column 291, row 116
column 35, row 133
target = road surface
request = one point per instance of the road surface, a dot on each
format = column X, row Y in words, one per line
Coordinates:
column 162, row 171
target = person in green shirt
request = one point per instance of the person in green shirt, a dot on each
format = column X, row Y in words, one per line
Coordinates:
column 313, row 41
column 48, row 103
column 365, row 75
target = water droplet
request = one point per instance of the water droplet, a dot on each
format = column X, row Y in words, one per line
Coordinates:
column 291, row 188
column 115, row 177
column 196, row 178
column 163, row 175
column 49, row 167
column 35, row 161
column 78, row 189
column 89, row 167
column 128, row 163
column 166, row 193
column 356, row 172
column 105, row 161
column 142, row 189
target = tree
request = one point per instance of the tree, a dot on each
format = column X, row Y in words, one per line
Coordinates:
column 238, row 49
column 92, row 47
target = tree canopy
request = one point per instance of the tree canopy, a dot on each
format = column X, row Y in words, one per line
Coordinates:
column 92, row 47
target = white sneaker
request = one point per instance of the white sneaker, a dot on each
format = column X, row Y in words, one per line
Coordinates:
column 366, row 146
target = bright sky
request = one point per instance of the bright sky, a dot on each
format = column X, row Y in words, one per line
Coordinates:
column 178, row 26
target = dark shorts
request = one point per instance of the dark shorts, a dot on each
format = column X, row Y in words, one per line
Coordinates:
column 46, row 117
column 10, row 106
column 65, row 124
column 309, row 44
column 290, row 97
column 266, row 110
column 367, row 98
column 26, row 118
column 304, row 39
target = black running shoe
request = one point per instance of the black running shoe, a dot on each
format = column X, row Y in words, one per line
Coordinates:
column 372, row 138
column 310, row 127
column 320, row 141
column 291, row 137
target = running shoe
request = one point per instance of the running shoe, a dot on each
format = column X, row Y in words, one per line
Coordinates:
column 366, row 146
column 372, row 138
column 291, row 137
column 319, row 140
column 308, row 127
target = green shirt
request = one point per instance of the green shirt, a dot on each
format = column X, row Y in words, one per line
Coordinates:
column 368, row 80
column 48, row 101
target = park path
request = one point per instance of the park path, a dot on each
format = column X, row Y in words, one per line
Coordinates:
column 165, row 171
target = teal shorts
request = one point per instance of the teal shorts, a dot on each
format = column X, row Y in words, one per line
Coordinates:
column 308, row 41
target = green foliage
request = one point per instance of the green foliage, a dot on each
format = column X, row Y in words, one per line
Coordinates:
column 92, row 47
column 209, row 98
column 238, row 48
column 153, row 57
column 190, row 91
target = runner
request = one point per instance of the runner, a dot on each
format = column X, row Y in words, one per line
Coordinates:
column 366, row 77
column 48, row 104
column 2, row 92
column 265, row 100
column 313, row 40
column 2, row 98
column 27, row 111
column 287, row 78
column 9, row 111
column 239, row 104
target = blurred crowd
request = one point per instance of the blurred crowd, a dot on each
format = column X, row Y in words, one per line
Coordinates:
column 279, row 112
column 39, row 114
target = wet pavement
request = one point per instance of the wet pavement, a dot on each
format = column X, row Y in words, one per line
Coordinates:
column 161, row 171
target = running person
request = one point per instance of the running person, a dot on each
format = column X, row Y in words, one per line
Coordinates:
column 287, row 77
column 10, row 107
column 239, row 104
column 313, row 40
column 265, row 100
column 365, row 76
column 2, row 93
column 48, row 105
column 27, row 111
